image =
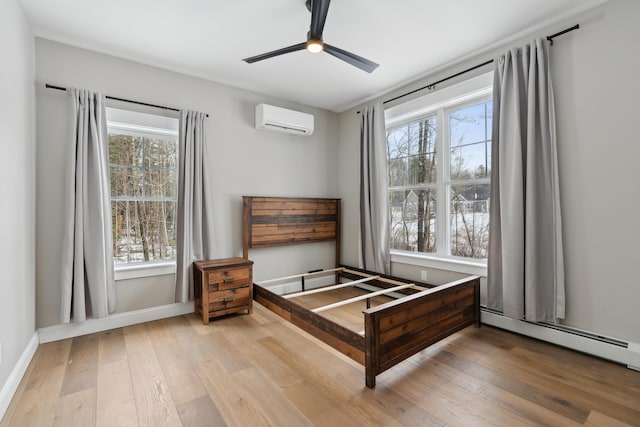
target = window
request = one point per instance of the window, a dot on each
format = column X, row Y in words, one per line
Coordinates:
column 439, row 165
column 143, row 170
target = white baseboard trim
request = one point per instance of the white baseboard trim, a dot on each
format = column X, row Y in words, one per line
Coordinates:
column 625, row 353
column 70, row 330
column 11, row 385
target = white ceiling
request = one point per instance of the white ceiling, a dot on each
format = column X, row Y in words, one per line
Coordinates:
column 208, row 38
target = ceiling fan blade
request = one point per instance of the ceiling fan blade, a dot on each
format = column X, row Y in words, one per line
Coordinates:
column 288, row 49
column 319, row 9
column 357, row 61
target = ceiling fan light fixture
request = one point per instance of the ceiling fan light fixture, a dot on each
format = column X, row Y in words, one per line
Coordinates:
column 314, row 43
column 315, row 46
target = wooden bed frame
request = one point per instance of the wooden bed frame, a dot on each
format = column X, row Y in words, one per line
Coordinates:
column 394, row 330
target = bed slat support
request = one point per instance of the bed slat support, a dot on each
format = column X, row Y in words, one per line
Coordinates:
column 360, row 298
column 297, row 276
column 384, row 279
column 329, row 288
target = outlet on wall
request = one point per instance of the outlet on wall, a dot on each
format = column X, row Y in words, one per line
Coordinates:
column 423, row 275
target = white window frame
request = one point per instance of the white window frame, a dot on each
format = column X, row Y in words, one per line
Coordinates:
column 150, row 125
column 472, row 91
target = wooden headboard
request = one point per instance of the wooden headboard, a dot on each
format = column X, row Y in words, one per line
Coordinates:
column 277, row 221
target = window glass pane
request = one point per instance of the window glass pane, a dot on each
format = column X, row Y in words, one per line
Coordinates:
column 143, row 231
column 470, row 220
column 422, row 169
column 413, row 138
column 489, row 115
column 397, row 140
column 412, row 216
column 398, row 172
column 470, row 161
column 159, row 153
column 126, row 181
column 422, row 136
column 470, row 141
column 417, row 148
column 160, row 183
column 125, row 149
column 468, row 125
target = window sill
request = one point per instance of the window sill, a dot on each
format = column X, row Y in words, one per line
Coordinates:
column 478, row 268
column 134, row 271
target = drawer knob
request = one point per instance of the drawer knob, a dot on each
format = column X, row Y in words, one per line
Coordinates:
column 230, row 280
column 229, row 299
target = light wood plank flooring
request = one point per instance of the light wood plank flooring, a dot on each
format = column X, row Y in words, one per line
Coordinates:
column 259, row 370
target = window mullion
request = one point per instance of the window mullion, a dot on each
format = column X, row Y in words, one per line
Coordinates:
column 442, row 226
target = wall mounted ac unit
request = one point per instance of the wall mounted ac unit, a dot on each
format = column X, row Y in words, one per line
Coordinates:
column 269, row 117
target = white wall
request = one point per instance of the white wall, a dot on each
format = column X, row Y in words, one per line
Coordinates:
column 596, row 73
column 144, row 292
column 243, row 161
column 17, row 191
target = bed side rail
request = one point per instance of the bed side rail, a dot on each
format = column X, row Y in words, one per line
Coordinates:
column 337, row 336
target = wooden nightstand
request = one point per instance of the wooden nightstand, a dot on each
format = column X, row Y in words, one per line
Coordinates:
column 222, row 286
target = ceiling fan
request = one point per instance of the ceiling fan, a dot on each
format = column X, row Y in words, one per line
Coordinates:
column 315, row 44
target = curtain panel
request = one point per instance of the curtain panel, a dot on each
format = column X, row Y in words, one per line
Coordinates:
column 525, row 266
column 374, row 225
column 88, row 287
column 195, row 213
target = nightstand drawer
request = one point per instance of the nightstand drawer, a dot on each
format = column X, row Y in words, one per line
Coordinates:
column 230, row 298
column 229, row 279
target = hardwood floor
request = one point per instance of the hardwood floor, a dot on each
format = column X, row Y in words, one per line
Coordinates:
column 259, row 370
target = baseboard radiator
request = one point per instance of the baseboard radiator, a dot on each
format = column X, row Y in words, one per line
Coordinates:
column 615, row 350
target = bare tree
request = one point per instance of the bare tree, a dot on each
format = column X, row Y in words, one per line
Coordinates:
column 411, row 167
column 426, row 170
column 143, row 197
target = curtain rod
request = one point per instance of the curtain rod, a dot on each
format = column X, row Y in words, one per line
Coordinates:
column 432, row 85
column 48, row 86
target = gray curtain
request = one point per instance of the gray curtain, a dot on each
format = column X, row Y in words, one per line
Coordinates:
column 525, row 268
column 195, row 216
column 374, row 225
column 88, row 287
